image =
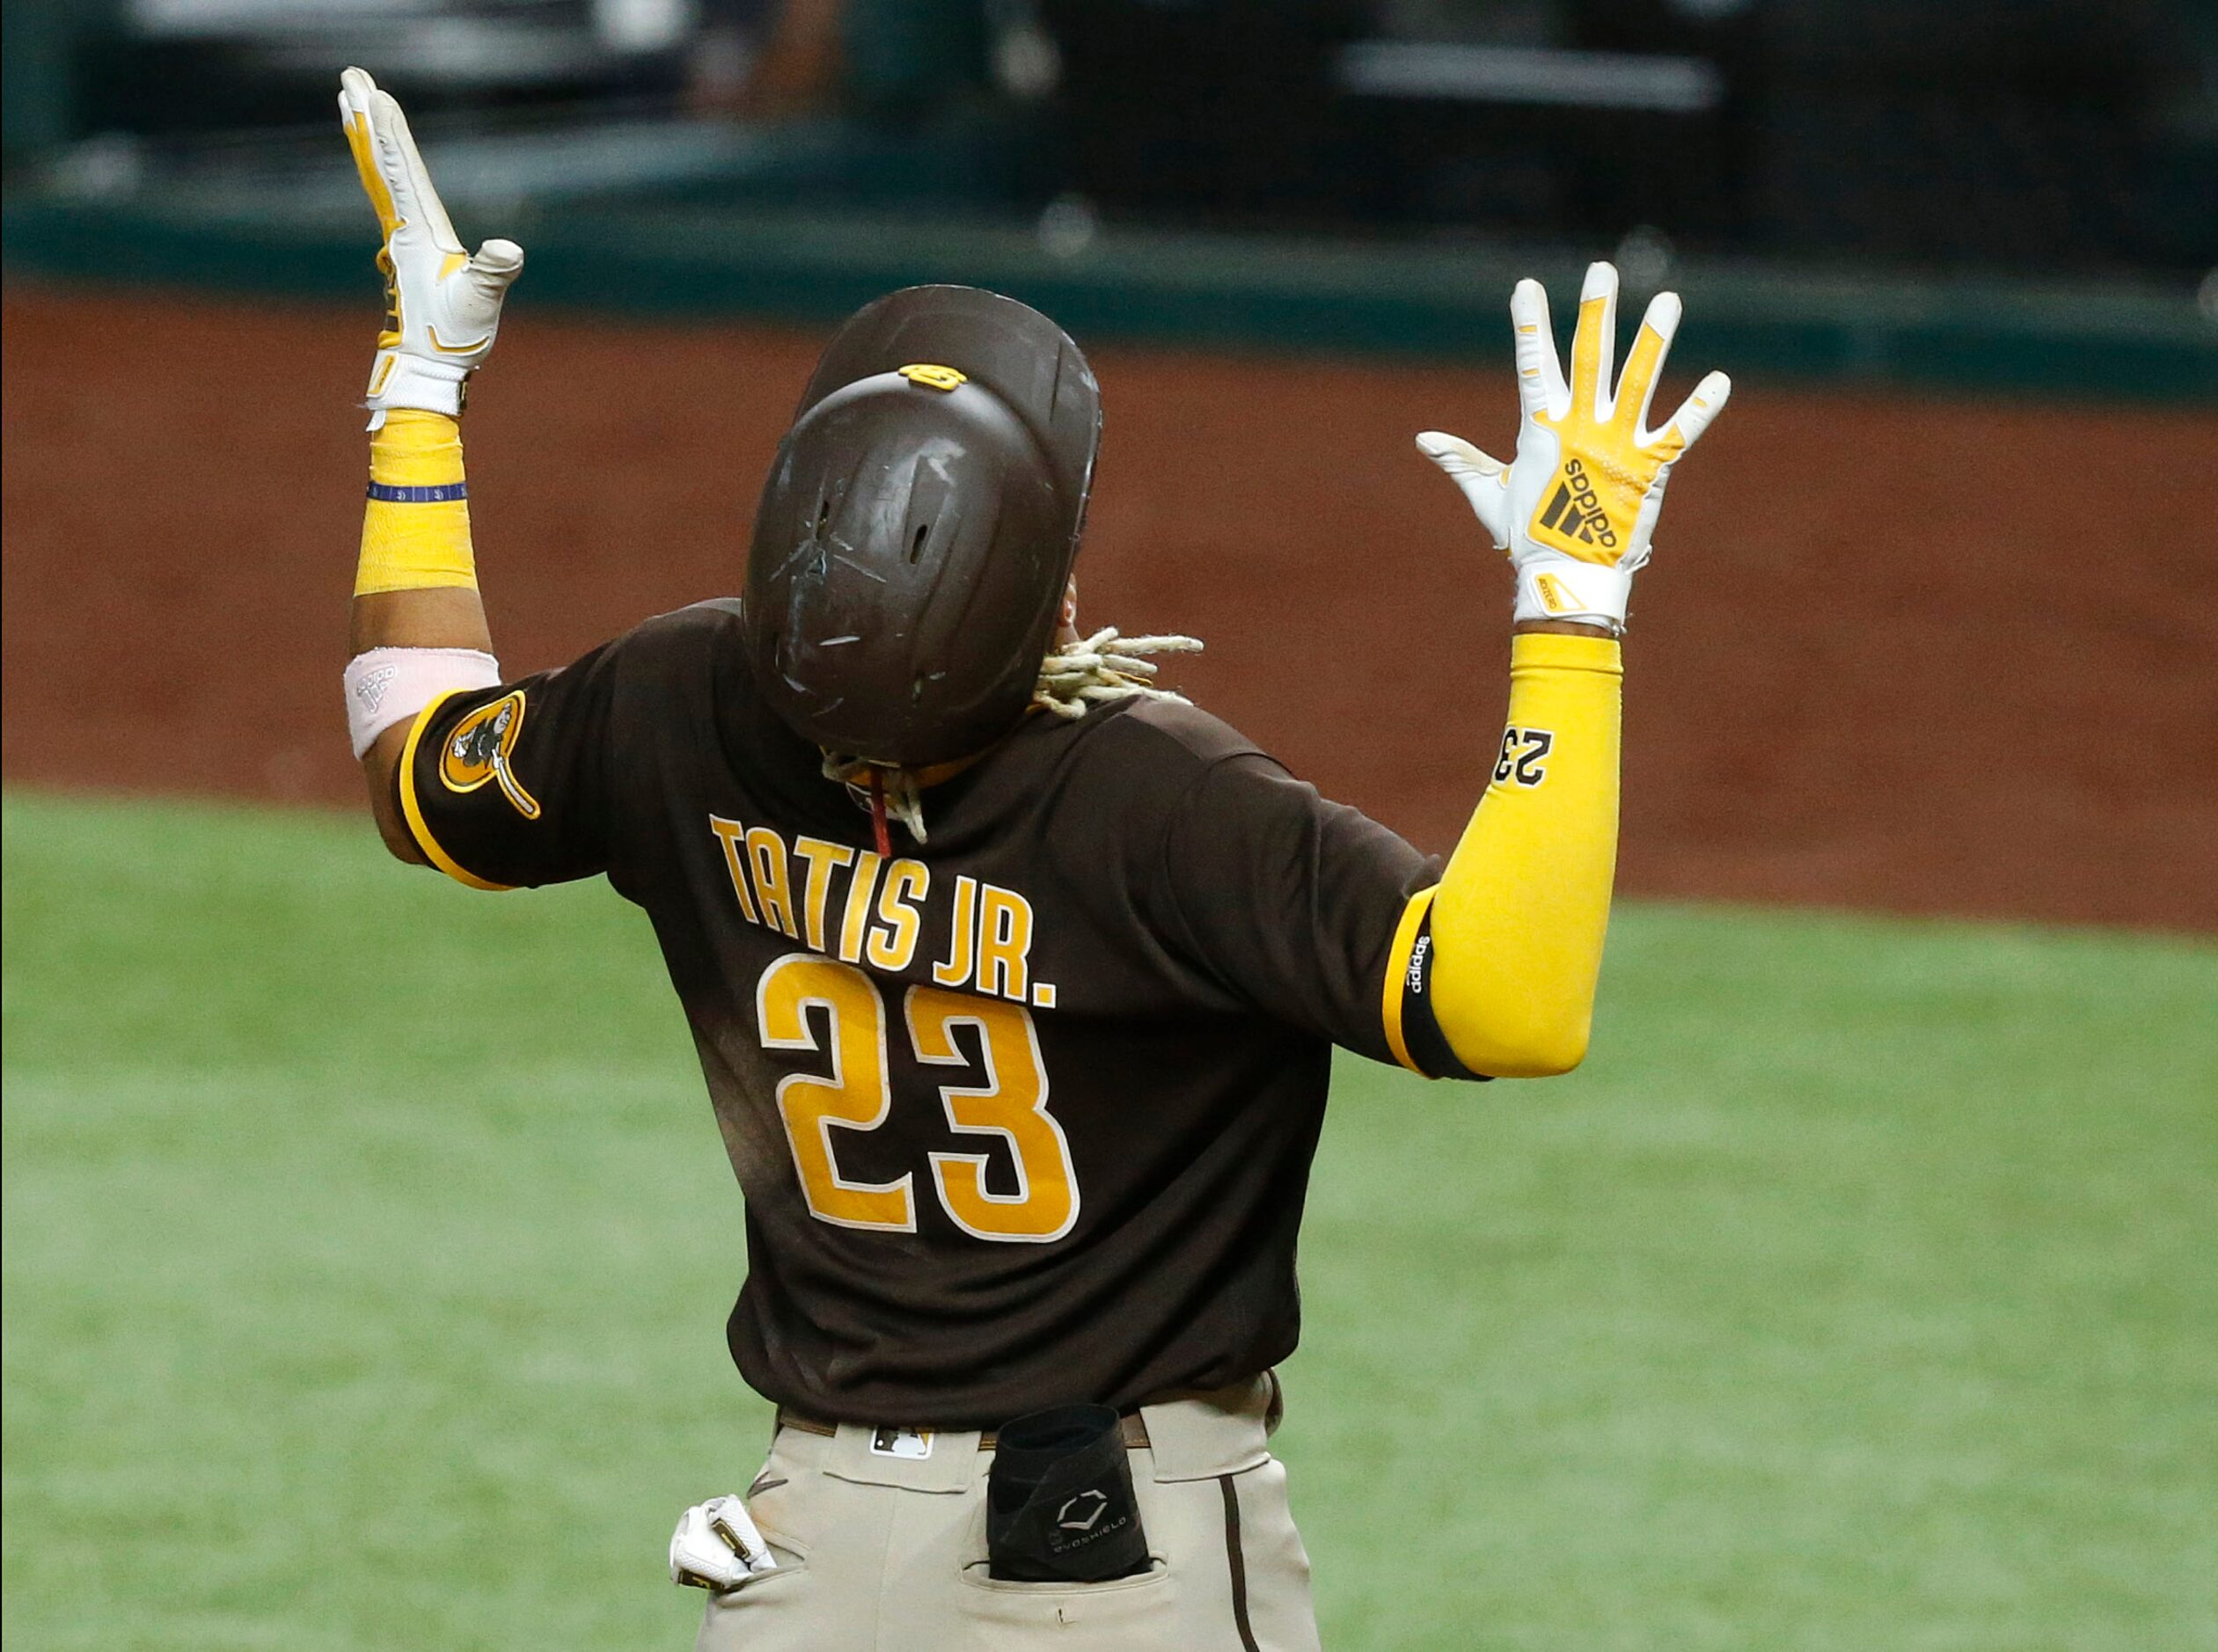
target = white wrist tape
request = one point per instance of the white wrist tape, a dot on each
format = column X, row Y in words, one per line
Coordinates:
column 391, row 685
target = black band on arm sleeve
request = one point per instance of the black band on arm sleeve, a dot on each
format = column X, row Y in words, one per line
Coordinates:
column 1421, row 1035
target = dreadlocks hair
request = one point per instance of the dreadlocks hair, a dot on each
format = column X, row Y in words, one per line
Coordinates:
column 1105, row 667
column 1075, row 678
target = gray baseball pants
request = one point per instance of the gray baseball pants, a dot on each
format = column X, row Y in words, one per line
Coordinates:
column 884, row 1552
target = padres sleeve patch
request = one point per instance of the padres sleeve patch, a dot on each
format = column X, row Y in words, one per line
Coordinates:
column 480, row 749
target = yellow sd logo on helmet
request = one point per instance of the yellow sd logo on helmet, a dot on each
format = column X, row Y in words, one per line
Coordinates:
column 480, row 749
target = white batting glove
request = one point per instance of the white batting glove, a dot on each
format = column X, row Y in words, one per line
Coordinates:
column 716, row 1547
column 1576, row 509
column 442, row 306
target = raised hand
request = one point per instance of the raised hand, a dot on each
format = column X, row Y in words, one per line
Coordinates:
column 1576, row 509
column 442, row 305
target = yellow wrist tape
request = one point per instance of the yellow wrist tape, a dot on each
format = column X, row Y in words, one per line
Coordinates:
column 415, row 530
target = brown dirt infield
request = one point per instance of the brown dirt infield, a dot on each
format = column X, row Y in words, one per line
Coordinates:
column 1917, row 654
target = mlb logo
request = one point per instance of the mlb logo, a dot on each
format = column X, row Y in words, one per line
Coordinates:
column 915, row 1445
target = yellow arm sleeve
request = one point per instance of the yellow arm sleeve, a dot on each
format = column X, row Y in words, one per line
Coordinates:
column 415, row 530
column 1517, row 920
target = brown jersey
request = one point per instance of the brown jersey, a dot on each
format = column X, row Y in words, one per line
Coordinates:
column 1023, row 1114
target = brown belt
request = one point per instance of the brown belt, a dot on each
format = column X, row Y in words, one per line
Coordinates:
column 1135, row 1428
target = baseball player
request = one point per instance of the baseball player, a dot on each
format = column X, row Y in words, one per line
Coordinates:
column 1014, row 978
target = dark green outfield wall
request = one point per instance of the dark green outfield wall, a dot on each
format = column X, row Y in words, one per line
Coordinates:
column 1249, row 293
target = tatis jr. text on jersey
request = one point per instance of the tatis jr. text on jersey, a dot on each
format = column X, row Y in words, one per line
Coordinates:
column 860, row 907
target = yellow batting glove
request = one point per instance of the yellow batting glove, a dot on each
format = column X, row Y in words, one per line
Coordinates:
column 1576, row 510
column 442, row 306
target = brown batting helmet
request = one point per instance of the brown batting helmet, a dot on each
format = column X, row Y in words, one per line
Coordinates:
column 919, row 527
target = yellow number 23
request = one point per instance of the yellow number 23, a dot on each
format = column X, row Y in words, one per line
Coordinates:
column 1010, row 1105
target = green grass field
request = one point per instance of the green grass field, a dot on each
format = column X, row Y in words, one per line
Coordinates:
column 368, row 1241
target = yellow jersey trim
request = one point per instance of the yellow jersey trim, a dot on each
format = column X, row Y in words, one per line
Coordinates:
column 413, row 812
column 1405, row 940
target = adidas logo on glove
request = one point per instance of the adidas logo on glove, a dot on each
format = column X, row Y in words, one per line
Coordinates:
column 1576, row 512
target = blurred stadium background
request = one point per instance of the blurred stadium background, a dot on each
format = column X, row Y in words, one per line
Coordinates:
column 367, row 1241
